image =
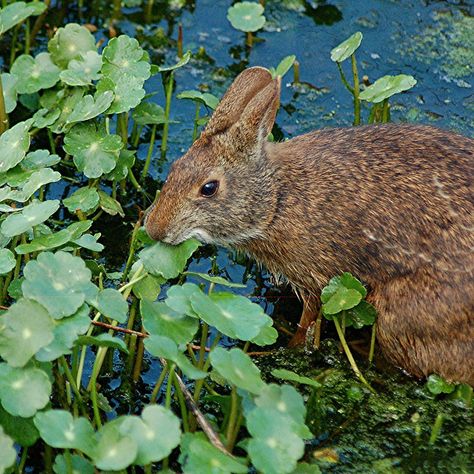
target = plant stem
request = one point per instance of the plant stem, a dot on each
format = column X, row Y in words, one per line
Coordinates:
column 27, row 36
column 72, row 382
column 168, row 93
column 180, row 41
column 234, row 409
column 131, row 253
column 168, row 403
column 344, row 80
column 93, row 390
column 138, row 360
column 159, row 383
column 350, row 357
column 372, row 343
column 68, row 459
column 202, row 349
column 249, row 39
column 436, row 429
column 296, row 72
column 182, row 405
column 123, row 120
column 385, row 111
column 196, row 119
column 150, row 151
column 24, row 455
column 355, row 75
column 3, row 112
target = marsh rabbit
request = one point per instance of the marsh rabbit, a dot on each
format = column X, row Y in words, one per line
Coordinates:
column 392, row 204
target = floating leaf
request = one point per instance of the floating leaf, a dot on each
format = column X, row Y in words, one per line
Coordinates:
column 89, row 107
column 246, row 16
column 103, row 340
column 79, row 464
column 59, row 281
column 364, row 314
column 9, row 90
column 60, row 430
column 94, row 152
column 346, row 280
column 159, row 319
column 343, row 299
column 89, row 242
column 125, row 162
column 23, row 391
column 165, row 260
column 7, row 451
column 387, row 86
column 7, row 261
column 34, row 74
column 215, row 279
column 66, row 331
column 156, row 433
column 179, row 298
column 39, row 159
column 82, row 71
column 24, row 329
column 268, row 335
column 83, row 199
column 110, row 205
column 66, row 100
column 44, row 118
column 17, row 12
column 148, row 288
column 237, row 368
column 114, row 450
column 347, row 48
column 58, row 239
column 200, row 456
column 162, row 346
column 31, row 215
column 209, row 100
column 233, row 315
column 293, row 377
column 69, row 43
column 14, row 144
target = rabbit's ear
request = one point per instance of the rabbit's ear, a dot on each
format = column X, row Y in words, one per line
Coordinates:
column 258, row 117
column 245, row 86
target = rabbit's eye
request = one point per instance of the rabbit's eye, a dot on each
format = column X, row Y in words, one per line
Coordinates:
column 209, row 189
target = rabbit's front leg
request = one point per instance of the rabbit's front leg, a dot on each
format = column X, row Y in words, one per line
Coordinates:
column 308, row 317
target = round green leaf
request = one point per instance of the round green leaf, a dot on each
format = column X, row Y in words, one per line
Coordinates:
column 23, row 391
column 110, row 205
column 344, row 298
column 160, row 319
column 34, row 74
column 60, row 430
column 82, row 71
column 346, row 280
column 233, row 315
column 437, row 385
column 347, row 48
column 31, row 215
column 202, row 457
column 156, row 433
column 89, row 242
column 9, row 82
column 364, row 314
column 387, row 86
column 128, row 92
column 162, row 346
column 215, row 279
column 7, row 451
column 59, row 282
column 70, row 42
column 293, row 377
column 124, row 56
column 179, row 298
column 84, row 199
column 268, row 335
column 39, row 159
column 7, row 261
column 125, row 162
column 167, row 261
column 24, row 329
column 246, row 16
column 17, row 12
column 89, row 107
column 66, row 331
column 22, row 430
column 14, row 144
column 80, row 465
column 148, row 288
column 103, row 340
column 209, row 100
column 149, row 113
column 274, row 447
column 94, row 152
column 237, row 368
column 114, row 450
column 112, row 304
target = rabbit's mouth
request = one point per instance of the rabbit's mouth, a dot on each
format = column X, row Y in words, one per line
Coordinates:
column 199, row 234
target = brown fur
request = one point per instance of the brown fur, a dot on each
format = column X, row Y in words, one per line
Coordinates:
column 392, row 204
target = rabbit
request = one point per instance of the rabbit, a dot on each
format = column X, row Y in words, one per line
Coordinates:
column 393, row 204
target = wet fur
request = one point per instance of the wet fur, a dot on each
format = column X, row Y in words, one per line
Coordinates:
column 392, row 204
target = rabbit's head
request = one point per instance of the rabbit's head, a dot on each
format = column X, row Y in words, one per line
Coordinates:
column 220, row 190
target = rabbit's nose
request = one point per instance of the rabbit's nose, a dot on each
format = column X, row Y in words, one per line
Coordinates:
column 153, row 228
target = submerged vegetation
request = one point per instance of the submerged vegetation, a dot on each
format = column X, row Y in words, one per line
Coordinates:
column 117, row 354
